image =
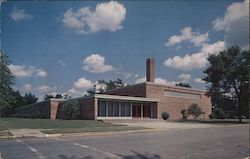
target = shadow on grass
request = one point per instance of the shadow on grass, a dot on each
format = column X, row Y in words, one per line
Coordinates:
column 135, row 155
column 213, row 121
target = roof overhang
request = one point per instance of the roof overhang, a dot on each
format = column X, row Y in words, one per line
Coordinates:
column 128, row 98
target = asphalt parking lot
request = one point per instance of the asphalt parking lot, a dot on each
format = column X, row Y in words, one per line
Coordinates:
column 205, row 143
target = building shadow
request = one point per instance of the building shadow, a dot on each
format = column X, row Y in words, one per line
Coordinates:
column 74, row 157
column 135, row 155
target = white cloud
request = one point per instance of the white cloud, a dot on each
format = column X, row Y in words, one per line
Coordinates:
column 106, row 16
column 195, row 60
column 199, row 80
column 158, row 80
column 140, row 80
column 95, row 63
column 187, row 35
column 235, row 23
column 27, row 88
column 46, row 89
column 83, row 83
column 184, row 77
column 27, row 71
column 61, row 62
column 19, row 14
column 80, row 87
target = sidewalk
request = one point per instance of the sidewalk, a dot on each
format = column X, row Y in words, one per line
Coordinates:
column 26, row 133
column 162, row 125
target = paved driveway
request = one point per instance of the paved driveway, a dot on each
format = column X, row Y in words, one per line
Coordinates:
column 206, row 143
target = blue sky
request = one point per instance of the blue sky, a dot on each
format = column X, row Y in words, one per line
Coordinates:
column 66, row 46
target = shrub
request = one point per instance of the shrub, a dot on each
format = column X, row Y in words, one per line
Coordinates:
column 35, row 115
column 71, row 109
column 165, row 115
column 194, row 110
column 211, row 116
column 218, row 113
column 184, row 114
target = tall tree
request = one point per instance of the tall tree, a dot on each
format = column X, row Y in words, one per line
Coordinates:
column 228, row 74
column 182, row 84
column 6, row 81
column 29, row 98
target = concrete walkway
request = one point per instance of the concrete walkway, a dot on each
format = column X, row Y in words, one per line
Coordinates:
column 167, row 125
column 27, row 133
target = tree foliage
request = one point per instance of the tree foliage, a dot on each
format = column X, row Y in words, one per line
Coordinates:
column 228, row 75
column 71, row 109
column 103, row 86
column 6, row 81
column 182, row 84
column 194, row 110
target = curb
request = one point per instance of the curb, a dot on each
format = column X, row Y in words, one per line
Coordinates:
column 101, row 133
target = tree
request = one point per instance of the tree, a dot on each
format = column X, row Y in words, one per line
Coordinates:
column 228, row 75
column 6, row 81
column 181, row 84
column 71, row 109
column 29, row 98
column 103, row 86
column 194, row 110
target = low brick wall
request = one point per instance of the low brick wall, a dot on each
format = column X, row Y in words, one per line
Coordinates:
column 40, row 109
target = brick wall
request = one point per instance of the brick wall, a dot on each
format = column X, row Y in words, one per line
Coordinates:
column 174, row 105
column 53, row 109
column 88, row 108
column 41, row 108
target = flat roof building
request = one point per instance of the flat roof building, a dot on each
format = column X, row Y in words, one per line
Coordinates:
column 143, row 100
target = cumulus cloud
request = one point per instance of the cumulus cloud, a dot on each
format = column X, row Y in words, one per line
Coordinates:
column 106, row 16
column 95, row 63
column 46, row 89
column 235, row 24
column 158, row 80
column 27, row 71
column 80, row 87
column 199, row 80
column 83, row 83
column 184, row 77
column 19, row 14
column 27, row 88
column 187, row 34
column 195, row 60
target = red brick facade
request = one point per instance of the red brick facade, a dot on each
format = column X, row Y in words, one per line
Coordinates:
column 172, row 105
column 87, row 108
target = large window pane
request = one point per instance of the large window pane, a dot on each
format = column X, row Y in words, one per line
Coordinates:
column 116, row 108
column 122, row 109
column 127, row 109
column 102, row 108
column 110, row 108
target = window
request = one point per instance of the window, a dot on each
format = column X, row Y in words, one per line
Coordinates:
column 127, row 109
column 110, row 108
column 122, row 109
column 116, row 109
column 181, row 94
column 102, row 108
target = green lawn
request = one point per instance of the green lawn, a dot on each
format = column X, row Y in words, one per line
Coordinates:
column 59, row 126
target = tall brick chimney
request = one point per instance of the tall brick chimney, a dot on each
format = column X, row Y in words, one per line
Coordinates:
column 150, row 66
